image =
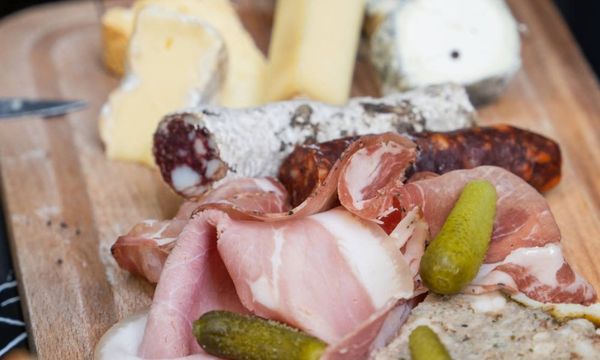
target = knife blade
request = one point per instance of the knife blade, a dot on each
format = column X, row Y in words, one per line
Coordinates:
column 16, row 107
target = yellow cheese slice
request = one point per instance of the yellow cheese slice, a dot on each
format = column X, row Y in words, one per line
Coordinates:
column 174, row 61
column 245, row 77
column 313, row 49
column 117, row 24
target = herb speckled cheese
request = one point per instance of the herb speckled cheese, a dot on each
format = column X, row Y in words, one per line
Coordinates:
column 491, row 327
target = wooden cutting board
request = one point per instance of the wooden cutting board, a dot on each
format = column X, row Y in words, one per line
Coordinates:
column 65, row 203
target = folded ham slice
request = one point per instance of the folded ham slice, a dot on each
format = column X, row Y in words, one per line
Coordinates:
column 331, row 274
column 524, row 253
column 144, row 249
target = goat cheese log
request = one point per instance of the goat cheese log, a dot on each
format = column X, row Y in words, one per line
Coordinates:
column 196, row 149
column 415, row 43
column 533, row 157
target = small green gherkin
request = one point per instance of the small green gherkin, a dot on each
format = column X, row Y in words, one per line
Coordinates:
column 239, row 337
column 424, row 344
column 455, row 255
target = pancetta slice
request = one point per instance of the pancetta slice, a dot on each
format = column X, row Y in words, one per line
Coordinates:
column 144, row 249
column 331, row 274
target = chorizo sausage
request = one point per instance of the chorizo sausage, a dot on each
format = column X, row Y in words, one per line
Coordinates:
column 531, row 156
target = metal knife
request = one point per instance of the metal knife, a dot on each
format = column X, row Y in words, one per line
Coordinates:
column 16, row 107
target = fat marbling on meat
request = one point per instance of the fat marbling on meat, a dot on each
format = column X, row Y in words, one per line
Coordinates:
column 232, row 257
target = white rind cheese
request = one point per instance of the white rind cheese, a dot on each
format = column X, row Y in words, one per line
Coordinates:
column 174, row 61
column 123, row 339
column 422, row 42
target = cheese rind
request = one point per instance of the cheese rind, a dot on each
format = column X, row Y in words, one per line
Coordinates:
column 310, row 53
column 117, row 24
column 174, row 61
column 421, row 42
column 245, row 76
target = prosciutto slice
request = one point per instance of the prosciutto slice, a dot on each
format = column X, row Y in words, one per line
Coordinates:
column 340, row 290
column 524, row 253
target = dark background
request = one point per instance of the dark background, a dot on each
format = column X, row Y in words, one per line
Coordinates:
column 583, row 17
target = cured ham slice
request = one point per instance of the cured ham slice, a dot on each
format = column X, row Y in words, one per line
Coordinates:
column 193, row 281
column 524, row 253
column 144, row 249
column 340, row 291
column 371, row 174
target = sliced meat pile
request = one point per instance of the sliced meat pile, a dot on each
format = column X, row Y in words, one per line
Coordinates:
column 144, row 249
column 343, row 264
column 524, row 254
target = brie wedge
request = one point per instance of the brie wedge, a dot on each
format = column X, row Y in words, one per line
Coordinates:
column 174, row 61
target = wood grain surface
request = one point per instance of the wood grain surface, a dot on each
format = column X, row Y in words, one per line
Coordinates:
column 66, row 204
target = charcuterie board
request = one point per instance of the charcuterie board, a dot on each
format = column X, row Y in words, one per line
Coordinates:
column 65, row 203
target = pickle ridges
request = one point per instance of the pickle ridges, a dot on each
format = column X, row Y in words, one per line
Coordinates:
column 233, row 336
column 455, row 255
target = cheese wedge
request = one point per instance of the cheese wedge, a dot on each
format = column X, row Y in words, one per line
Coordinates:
column 313, row 49
column 245, row 77
column 117, row 24
column 174, row 61
column 474, row 43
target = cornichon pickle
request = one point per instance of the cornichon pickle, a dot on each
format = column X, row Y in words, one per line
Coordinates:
column 424, row 344
column 237, row 337
column 455, row 255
